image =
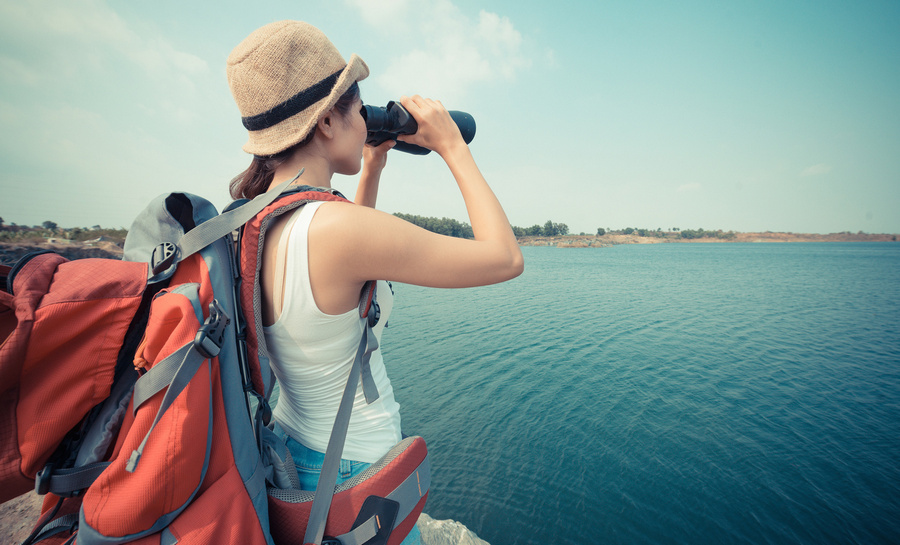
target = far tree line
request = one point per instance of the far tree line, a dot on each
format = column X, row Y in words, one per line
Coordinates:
column 454, row 228
column 50, row 229
column 675, row 232
column 444, row 226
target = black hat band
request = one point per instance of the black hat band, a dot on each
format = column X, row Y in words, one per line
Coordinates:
column 292, row 106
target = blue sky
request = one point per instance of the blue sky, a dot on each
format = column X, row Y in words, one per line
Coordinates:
column 750, row 116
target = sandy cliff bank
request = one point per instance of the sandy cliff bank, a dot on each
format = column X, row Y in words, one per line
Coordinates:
column 592, row 241
column 18, row 516
column 10, row 252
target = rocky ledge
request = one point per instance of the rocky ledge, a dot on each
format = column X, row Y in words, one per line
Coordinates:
column 18, row 516
column 446, row 532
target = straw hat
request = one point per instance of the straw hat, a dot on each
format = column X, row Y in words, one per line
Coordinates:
column 284, row 77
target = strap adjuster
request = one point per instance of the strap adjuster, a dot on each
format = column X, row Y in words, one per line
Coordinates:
column 42, row 480
column 211, row 335
column 163, row 256
column 368, row 304
column 374, row 314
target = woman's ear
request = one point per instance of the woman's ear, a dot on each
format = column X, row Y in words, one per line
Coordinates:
column 325, row 124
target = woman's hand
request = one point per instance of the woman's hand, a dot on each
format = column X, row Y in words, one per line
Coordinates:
column 437, row 130
column 375, row 157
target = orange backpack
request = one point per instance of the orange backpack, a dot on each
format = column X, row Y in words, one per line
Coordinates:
column 134, row 395
column 121, row 405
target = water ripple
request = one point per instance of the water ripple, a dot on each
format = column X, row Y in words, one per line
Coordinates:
column 663, row 394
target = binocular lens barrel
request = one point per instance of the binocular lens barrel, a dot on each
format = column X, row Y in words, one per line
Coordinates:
column 389, row 122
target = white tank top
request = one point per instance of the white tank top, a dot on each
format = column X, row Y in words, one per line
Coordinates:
column 311, row 353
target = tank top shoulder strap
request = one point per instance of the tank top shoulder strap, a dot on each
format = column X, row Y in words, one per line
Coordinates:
column 303, row 216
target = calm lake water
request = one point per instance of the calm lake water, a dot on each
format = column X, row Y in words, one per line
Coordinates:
column 670, row 393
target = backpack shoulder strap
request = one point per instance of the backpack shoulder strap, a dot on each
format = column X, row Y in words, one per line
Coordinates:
column 252, row 239
column 253, row 235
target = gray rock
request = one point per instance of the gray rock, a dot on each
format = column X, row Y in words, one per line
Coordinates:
column 446, row 532
column 18, row 516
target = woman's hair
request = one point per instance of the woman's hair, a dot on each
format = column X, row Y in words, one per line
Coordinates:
column 256, row 179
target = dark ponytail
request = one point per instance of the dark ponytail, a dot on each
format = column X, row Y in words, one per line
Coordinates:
column 258, row 176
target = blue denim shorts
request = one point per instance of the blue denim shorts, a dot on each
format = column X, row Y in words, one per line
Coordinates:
column 309, row 466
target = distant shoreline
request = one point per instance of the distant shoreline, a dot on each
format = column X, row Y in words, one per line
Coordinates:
column 112, row 249
column 605, row 241
column 11, row 252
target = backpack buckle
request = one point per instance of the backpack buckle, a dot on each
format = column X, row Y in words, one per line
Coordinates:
column 374, row 314
column 163, row 256
column 42, row 480
column 368, row 304
column 211, row 335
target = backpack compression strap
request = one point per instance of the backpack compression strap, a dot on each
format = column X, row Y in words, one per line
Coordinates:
column 318, row 515
column 206, row 233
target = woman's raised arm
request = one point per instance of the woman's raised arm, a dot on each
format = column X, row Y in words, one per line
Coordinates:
column 357, row 244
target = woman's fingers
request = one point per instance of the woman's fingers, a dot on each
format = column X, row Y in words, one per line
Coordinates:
column 376, row 156
column 436, row 128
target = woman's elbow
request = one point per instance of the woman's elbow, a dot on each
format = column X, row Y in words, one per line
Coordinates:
column 497, row 264
column 515, row 264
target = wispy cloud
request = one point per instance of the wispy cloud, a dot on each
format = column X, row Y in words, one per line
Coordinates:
column 816, row 170
column 94, row 105
column 71, row 43
column 393, row 14
column 446, row 52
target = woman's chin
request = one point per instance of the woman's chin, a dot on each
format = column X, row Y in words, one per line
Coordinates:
column 350, row 170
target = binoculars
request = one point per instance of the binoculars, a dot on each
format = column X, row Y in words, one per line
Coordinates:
column 389, row 122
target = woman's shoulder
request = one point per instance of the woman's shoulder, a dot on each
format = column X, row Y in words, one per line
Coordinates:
column 350, row 220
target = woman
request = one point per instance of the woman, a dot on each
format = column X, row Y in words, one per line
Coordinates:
column 300, row 102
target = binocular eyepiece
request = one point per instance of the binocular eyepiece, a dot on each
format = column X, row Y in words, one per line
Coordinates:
column 389, row 122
